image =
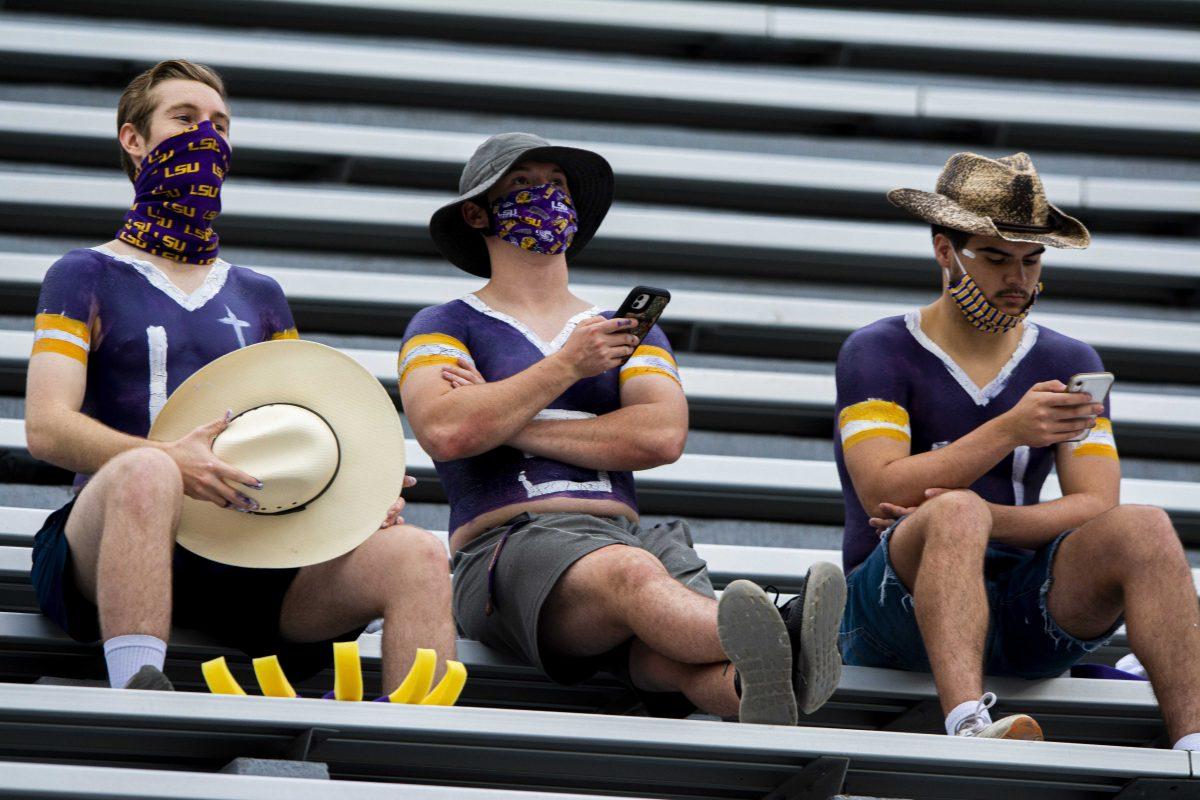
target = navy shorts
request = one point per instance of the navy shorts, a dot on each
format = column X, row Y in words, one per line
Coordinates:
column 238, row 607
column 879, row 628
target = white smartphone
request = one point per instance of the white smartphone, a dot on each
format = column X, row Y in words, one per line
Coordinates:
column 1097, row 384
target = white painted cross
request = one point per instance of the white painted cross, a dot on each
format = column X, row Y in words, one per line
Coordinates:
column 236, row 324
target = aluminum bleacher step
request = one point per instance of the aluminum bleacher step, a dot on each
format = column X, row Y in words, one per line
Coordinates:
column 485, row 747
column 660, row 174
column 714, row 485
column 609, row 88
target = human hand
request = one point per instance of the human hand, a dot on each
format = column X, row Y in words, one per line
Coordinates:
column 597, row 345
column 888, row 514
column 462, row 373
column 1049, row 414
column 397, row 508
column 206, row 477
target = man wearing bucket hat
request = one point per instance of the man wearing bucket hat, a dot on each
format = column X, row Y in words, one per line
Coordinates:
column 949, row 420
column 154, row 313
column 522, row 395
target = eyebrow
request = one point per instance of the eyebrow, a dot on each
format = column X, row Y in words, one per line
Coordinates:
column 997, row 251
column 193, row 107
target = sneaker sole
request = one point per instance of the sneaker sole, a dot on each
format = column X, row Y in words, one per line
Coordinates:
column 819, row 665
column 754, row 638
column 1022, row 729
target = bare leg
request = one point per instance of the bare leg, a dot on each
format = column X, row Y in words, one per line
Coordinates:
column 707, row 686
column 122, row 534
column 619, row 591
column 401, row 574
column 939, row 552
column 1130, row 559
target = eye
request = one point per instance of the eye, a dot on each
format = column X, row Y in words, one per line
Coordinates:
column 995, row 260
column 184, row 117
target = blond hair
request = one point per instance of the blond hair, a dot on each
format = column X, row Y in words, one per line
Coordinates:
column 138, row 103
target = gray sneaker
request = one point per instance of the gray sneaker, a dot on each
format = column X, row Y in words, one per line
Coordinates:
column 813, row 618
column 754, row 637
column 150, row 678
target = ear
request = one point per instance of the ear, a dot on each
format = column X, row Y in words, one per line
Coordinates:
column 475, row 216
column 943, row 251
column 132, row 142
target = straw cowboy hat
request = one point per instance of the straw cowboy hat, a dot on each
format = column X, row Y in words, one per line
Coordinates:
column 589, row 179
column 316, row 428
column 994, row 197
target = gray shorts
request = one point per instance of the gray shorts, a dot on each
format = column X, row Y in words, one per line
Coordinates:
column 537, row 549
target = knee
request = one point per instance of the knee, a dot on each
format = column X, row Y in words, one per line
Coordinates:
column 956, row 519
column 144, row 479
column 410, row 555
column 1138, row 535
column 629, row 569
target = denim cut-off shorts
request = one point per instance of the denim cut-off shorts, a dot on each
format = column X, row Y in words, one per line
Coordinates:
column 879, row 628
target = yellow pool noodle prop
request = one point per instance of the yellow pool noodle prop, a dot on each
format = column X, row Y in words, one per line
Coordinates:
column 416, row 685
column 449, row 687
column 271, row 679
column 347, row 672
column 218, row 677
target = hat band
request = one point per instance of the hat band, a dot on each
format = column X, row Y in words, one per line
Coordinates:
column 333, row 477
column 1017, row 227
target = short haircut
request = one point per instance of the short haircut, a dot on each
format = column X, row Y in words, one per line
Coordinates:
column 137, row 102
column 957, row 238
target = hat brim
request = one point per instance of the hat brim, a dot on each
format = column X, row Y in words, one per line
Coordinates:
column 357, row 409
column 589, row 177
column 937, row 209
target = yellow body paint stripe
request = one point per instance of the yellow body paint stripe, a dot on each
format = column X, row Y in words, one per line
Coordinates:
column 62, row 348
column 1104, row 450
column 874, row 433
column 432, row 338
column 874, row 411
column 290, row 333
column 635, row 372
column 654, row 352
column 57, row 322
column 427, row 361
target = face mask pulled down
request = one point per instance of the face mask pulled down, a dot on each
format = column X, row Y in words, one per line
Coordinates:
column 975, row 306
column 540, row 219
column 177, row 195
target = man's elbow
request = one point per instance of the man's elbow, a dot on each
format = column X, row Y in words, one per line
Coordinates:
column 664, row 447
column 38, row 440
column 449, row 443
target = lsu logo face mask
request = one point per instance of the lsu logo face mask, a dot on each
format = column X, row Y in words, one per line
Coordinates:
column 177, row 195
column 540, row 219
column 976, row 308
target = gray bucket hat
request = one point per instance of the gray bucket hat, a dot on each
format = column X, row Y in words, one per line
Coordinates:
column 589, row 176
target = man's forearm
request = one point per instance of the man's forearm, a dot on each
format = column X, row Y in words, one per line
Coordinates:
column 630, row 438
column 76, row 442
column 1038, row 525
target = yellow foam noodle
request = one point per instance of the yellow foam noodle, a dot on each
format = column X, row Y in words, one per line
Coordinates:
column 416, row 685
column 271, row 679
column 347, row 672
column 449, row 687
column 218, row 677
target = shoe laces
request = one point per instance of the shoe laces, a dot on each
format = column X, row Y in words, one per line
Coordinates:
column 975, row 722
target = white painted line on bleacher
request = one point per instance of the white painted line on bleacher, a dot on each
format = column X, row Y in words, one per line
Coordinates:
column 717, row 167
column 615, row 80
column 776, row 476
column 782, row 389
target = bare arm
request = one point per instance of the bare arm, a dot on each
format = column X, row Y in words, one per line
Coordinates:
column 474, row 419
column 59, row 433
column 883, row 470
column 649, row 430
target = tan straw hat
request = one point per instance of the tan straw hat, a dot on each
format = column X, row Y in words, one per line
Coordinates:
column 994, row 197
column 316, row 428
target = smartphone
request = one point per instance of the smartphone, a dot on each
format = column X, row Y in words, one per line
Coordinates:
column 1097, row 384
column 645, row 304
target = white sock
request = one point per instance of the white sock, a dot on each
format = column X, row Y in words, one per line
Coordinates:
column 961, row 712
column 125, row 655
column 1189, row 742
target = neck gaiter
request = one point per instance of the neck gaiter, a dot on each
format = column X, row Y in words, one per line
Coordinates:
column 540, row 219
column 976, row 308
column 177, row 195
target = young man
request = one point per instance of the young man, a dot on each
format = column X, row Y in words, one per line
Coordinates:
column 120, row 326
column 519, row 394
column 950, row 419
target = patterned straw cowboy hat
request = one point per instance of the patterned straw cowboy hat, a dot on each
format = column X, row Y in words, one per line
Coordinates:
column 1000, row 197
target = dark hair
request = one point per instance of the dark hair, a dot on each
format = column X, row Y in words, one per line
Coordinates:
column 137, row 102
column 957, row 238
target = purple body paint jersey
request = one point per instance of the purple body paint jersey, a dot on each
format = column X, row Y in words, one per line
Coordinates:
column 892, row 380
column 501, row 347
column 141, row 336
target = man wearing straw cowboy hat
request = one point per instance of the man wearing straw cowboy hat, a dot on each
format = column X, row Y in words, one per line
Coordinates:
column 949, row 420
column 521, row 393
column 295, row 435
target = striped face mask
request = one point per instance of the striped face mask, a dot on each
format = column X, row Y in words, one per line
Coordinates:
column 976, row 308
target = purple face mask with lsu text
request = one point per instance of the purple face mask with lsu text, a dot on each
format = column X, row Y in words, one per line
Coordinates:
column 540, row 219
column 177, row 195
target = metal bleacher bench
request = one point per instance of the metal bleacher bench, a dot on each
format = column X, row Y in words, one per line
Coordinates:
column 609, row 87
column 1077, row 710
column 375, row 153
